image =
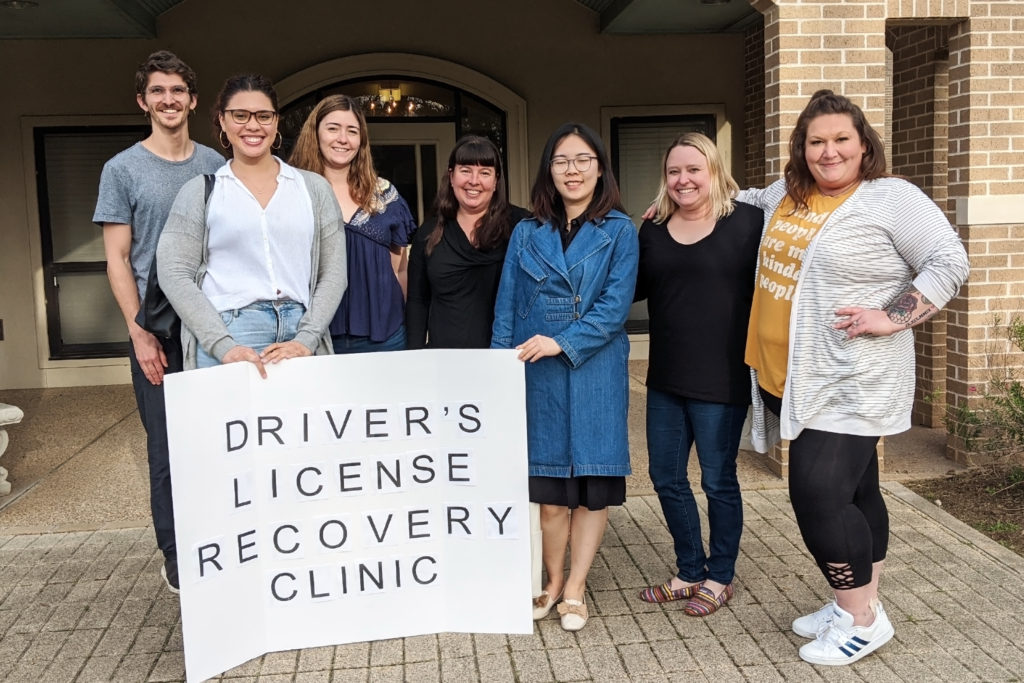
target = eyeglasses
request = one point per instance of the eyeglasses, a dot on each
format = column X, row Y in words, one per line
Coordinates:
column 176, row 91
column 242, row 116
column 560, row 165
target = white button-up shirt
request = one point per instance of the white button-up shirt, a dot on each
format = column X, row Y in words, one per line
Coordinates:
column 258, row 254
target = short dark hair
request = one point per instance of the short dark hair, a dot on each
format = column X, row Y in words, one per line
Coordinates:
column 547, row 204
column 237, row 84
column 495, row 226
column 166, row 62
column 799, row 180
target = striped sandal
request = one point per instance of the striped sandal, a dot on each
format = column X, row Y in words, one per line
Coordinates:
column 704, row 601
column 665, row 593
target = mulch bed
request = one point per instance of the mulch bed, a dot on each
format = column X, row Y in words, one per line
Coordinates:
column 989, row 498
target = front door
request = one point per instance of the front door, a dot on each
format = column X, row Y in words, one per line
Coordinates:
column 413, row 156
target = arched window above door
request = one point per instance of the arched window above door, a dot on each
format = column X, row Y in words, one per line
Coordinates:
column 405, row 151
column 397, row 99
column 440, row 91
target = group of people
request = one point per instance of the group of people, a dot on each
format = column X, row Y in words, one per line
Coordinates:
column 796, row 299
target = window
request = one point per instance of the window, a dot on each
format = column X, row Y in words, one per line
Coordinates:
column 83, row 319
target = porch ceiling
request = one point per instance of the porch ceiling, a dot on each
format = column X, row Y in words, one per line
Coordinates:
column 672, row 16
column 35, row 19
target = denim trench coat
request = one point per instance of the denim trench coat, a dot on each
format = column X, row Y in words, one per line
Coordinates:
column 577, row 401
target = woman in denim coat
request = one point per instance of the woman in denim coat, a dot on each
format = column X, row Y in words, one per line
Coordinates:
column 565, row 293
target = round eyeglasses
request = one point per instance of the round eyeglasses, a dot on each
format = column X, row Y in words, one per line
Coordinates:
column 560, row 165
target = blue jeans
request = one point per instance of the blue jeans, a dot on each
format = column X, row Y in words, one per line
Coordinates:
column 347, row 343
column 257, row 326
column 673, row 425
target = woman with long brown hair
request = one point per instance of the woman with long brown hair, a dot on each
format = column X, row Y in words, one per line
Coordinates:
column 334, row 142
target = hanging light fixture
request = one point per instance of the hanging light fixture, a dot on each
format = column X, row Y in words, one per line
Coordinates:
column 390, row 94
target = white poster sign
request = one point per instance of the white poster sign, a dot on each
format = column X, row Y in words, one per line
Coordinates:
column 348, row 498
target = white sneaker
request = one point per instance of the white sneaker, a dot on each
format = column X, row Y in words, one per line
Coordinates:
column 843, row 643
column 810, row 625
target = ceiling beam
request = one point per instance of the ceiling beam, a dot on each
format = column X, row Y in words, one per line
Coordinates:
column 138, row 15
column 610, row 13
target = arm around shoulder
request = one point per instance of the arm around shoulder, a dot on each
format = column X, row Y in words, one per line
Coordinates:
column 766, row 198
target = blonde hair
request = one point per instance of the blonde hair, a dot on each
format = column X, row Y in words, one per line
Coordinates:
column 723, row 187
column 362, row 176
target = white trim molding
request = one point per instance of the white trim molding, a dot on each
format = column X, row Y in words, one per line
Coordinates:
column 71, row 372
column 992, row 209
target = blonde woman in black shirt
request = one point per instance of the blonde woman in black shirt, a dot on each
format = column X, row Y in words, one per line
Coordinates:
column 697, row 260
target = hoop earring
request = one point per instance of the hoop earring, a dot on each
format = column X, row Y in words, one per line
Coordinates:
column 223, row 139
column 278, row 141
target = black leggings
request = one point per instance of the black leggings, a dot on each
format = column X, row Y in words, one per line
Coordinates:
column 833, row 485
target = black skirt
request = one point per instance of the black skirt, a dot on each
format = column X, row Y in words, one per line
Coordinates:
column 593, row 493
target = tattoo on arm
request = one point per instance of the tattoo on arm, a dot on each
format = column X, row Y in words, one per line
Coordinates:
column 910, row 308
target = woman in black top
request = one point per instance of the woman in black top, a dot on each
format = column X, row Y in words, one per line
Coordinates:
column 457, row 254
column 697, row 260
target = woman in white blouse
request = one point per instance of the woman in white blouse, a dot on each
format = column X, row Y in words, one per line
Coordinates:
column 256, row 267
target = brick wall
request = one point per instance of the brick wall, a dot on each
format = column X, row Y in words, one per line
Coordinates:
column 753, row 114
column 986, row 131
column 813, row 45
column 919, row 123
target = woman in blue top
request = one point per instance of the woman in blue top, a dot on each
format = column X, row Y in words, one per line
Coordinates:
column 564, row 296
column 334, row 142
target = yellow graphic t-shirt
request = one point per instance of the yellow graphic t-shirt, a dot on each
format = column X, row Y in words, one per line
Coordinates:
column 780, row 259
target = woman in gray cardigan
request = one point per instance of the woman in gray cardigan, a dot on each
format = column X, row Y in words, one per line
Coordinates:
column 256, row 268
column 850, row 260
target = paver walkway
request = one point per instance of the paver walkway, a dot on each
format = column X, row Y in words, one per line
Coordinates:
column 90, row 606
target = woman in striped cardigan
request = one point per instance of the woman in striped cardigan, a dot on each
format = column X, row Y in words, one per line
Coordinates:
column 851, row 259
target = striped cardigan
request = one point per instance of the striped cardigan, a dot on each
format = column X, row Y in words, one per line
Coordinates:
column 885, row 237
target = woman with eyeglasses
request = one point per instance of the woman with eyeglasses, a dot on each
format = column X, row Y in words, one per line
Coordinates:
column 334, row 142
column 564, row 296
column 255, row 266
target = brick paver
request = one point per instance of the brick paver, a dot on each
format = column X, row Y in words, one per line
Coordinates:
column 90, row 606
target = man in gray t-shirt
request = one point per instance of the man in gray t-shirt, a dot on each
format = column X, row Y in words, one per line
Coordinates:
column 137, row 189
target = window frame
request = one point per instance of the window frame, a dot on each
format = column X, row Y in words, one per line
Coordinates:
column 57, row 349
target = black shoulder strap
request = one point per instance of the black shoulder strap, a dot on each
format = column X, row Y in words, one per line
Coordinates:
column 210, row 179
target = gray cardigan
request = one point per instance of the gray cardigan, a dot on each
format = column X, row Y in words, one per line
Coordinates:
column 886, row 237
column 182, row 256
